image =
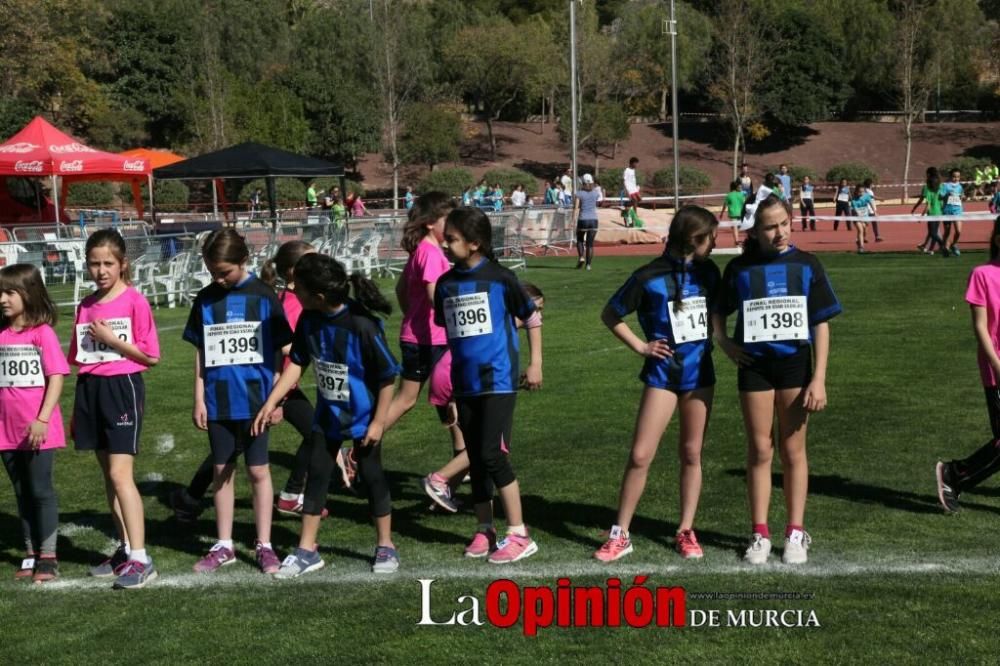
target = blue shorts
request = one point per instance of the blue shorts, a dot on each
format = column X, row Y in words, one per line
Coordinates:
column 229, row 439
column 107, row 413
column 684, row 371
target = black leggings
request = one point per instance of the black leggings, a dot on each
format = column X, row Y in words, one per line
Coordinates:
column 933, row 236
column 299, row 412
column 37, row 504
column 843, row 210
column 486, row 423
column 806, row 207
column 322, row 452
column 586, row 231
column 984, row 461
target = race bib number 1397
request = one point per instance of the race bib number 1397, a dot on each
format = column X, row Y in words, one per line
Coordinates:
column 775, row 319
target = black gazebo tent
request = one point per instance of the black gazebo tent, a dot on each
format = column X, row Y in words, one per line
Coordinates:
column 250, row 160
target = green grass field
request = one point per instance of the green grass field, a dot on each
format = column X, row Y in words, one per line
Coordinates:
column 891, row 578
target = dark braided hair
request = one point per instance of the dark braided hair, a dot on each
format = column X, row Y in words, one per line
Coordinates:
column 689, row 226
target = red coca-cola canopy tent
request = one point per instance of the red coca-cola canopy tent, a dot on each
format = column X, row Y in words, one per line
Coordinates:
column 40, row 150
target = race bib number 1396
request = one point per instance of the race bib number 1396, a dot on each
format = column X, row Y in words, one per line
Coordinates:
column 468, row 315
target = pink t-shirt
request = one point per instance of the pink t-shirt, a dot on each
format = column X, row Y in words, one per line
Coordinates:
column 984, row 291
column 128, row 315
column 292, row 306
column 23, row 353
column 426, row 265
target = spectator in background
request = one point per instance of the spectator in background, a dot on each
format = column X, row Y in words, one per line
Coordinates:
column 567, row 182
column 327, row 207
column 746, row 182
column 518, row 197
column 551, row 194
column 631, row 182
column 409, row 197
column 355, row 206
column 786, row 183
column 311, row 199
column 733, row 207
column 255, row 203
column 497, row 197
column 468, row 196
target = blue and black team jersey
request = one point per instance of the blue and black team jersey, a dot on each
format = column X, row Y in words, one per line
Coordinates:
column 651, row 292
column 477, row 308
column 777, row 301
column 240, row 333
column 351, row 361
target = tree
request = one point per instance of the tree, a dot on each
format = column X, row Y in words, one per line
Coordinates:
column 431, row 135
column 600, row 126
column 492, row 65
column 400, row 65
column 642, row 52
column 742, row 58
column 911, row 70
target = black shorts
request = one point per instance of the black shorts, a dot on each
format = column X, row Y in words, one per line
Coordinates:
column 229, row 439
column 107, row 413
column 419, row 360
column 768, row 373
column 586, row 225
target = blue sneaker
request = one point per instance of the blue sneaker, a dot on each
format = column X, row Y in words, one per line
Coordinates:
column 301, row 561
column 955, row 252
column 134, row 575
column 110, row 566
column 386, row 560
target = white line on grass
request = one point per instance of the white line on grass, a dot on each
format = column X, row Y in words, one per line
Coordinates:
column 660, row 574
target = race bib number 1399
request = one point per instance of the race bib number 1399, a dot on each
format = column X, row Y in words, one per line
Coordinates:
column 236, row 343
column 775, row 319
column 468, row 315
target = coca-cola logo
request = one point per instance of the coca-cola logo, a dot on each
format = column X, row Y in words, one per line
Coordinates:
column 71, row 148
column 134, row 165
column 75, row 165
column 29, row 167
column 20, row 147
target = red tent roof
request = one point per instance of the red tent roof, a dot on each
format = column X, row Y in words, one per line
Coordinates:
column 154, row 156
column 42, row 150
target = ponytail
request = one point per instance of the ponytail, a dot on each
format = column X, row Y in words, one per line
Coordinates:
column 269, row 273
column 368, row 296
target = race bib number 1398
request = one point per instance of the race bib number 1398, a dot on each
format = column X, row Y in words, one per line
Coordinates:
column 775, row 319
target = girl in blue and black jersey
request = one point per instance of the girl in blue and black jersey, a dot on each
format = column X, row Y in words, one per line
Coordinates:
column 239, row 329
column 783, row 301
column 673, row 296
column 477, row 302
column 355, row 372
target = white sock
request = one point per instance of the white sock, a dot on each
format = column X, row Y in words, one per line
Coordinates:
column 288, row 496
column 128, row 548
column 139, row 555
column 519, row 530
column 225, row 543
column 266, row 545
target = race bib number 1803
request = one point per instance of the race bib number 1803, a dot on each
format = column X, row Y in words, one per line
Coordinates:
column 776, row 318
column 235, row 343
column 89, row 350
column 468, row 315
column 21, row 367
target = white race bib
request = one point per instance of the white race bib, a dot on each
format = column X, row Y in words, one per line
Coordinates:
column 468, row 315
column 331, row 379
column 954, row 200
column 807, row 194
column 843, row 196
column 776, row 318
column 21, row 367
column 235, row 343
column 89, row 351
column 690, row 324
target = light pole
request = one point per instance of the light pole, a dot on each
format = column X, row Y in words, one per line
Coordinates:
column 572, row 86
column 672, row 30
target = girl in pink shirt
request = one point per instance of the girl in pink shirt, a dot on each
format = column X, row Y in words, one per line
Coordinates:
column 983, row 297
column 113, row 342
column 422, row 342
column 31, row 379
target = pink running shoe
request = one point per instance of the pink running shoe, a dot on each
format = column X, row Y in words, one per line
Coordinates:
column 219, row 556
column 267, row 559
column 687, row 545
column 482, row 544
column 616, row 547
column 513, row 548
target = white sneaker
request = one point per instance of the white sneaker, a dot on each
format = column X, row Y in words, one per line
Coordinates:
column 758, row 551
column 796, row 548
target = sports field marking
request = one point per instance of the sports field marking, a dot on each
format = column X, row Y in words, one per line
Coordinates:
column 74, row 529
column 335, row 574
column 165, row 442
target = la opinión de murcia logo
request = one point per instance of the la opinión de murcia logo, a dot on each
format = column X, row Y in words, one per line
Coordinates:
column 75, row 165
column 134, row 165
column 611, row 605
column 20, row 147
column 29, row 167
column 71, row 148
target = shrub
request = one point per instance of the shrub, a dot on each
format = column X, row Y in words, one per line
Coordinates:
column 450, row 181
column 967, row 165
column 90, row 194
column 854, row 172
column 508, row 178
column 692, row 180
column 168, row 195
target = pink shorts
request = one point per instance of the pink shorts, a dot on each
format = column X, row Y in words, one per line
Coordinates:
column 439, row 393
